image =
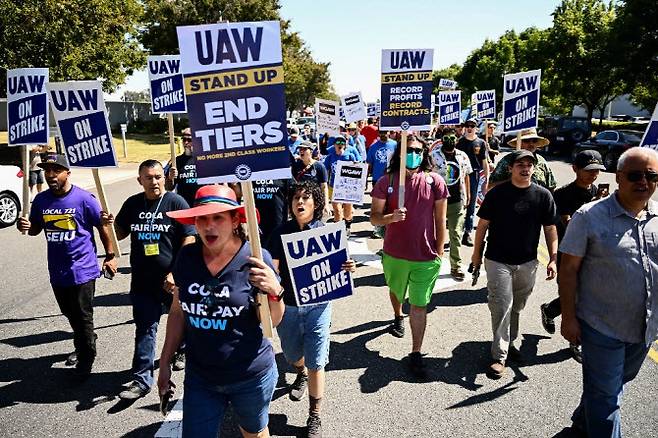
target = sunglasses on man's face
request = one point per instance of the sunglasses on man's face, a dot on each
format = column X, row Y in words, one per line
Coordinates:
column 340, row 143
column 637, row 175
column 187, row 138
column 415, row 150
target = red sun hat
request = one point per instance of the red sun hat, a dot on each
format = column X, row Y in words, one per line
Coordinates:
column 211, row 199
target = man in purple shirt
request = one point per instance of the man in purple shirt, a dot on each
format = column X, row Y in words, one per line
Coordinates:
column 67, row 215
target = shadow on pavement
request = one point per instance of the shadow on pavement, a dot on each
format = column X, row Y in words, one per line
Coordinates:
column 36, row 381
column 373, row 280
column 460, row 297
column 112, row 300
column 32, row 318
column 143, row 431
column 49, row 337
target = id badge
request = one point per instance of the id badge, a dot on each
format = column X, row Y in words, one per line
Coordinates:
column 151, row 249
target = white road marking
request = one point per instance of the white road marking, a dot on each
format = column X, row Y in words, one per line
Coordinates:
column 172, row 426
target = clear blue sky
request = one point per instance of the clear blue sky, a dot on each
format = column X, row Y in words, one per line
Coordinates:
column 351, row 34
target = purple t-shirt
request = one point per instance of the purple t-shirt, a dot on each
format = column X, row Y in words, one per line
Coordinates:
column 68, row 222
column 415, row 237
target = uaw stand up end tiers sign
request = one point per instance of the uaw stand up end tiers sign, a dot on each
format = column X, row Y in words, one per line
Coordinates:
column 233, row 74
column 406, row 90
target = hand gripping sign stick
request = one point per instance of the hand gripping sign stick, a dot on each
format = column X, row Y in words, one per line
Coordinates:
column 102, row 198
column 26, row 182
column 256, row 251
column 403, row 168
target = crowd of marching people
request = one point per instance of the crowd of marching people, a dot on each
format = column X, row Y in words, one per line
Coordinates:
column 190, row 257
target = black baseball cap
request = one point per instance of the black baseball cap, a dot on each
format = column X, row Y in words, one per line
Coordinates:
column 54, row 160
column 589, row 160
column 521, row 154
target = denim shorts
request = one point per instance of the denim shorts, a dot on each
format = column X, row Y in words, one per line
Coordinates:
column 204, row 404
column 304, row 332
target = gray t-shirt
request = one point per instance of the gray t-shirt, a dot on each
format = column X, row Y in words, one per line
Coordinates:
column 618, row 279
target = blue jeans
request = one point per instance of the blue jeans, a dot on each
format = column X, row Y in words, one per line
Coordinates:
column 608, row 364
column 304, row 332
column 204, row 404
column 148, row 307
column 474, row 177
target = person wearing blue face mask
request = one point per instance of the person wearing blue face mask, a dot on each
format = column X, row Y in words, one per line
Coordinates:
column 414, row 238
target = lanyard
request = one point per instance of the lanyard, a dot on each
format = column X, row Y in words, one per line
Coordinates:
column 152, row 220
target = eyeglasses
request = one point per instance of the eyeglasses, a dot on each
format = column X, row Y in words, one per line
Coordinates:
column 637, row 175
column 415, row 150
column 187, row 138
column 339, row 143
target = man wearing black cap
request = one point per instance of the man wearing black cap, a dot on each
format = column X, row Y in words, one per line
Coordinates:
column 513, row 213
column 568, row 199
column 476, row 149
column 68, row 215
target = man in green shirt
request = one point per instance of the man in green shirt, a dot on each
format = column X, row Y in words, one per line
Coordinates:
column 542, row 174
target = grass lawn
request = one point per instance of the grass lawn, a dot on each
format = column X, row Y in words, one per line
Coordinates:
column 140, row 146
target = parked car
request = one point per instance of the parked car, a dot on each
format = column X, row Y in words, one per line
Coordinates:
column 11, row 193
column 564, row 132
column 610, row 144
column 301, row 121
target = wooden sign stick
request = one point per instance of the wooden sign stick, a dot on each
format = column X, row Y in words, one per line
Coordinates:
column 256, row 251
column 172, row 142
column 26, row 183
column 403, row 169
column 102, row 198
column 518, row 140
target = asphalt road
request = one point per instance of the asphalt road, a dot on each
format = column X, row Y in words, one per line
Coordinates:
column 369, row 391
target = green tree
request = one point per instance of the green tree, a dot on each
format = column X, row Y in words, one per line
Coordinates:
column 584, row 69
column 450, row 72
column 636, row 43
column 305, row 78
column 75, row 39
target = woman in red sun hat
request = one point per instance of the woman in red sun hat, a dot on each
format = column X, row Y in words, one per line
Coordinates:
column 215, row 313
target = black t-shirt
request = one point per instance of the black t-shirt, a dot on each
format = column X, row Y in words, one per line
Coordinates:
column 315, row 172
column 468, row 146
column 570, row 198
column 155, row 233
column 516, row 218
column 272, row 203
column 453, row 176
column 275, row 247
column 224, row 341
column 186, row 184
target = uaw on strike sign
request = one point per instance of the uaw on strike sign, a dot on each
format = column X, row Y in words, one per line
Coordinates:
column 233, row 74
column 521, row 100
column 167, row 94
column 81, row 116
column 27, row 106
column 406, row 90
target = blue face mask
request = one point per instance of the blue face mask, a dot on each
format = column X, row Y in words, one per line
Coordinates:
column 413, row 160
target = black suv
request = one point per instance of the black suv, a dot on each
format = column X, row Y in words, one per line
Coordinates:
column 565, row 131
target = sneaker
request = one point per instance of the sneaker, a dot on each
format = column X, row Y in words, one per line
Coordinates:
column 178, row 361
column 515, row 355
column 416, row 365
column 314, row 426
column 467, row 240
column 133, row 392
column 298, row 387
column 546, row 322
column 496, row 370
column 397, row 327
column 72, row 359
column 576, row 352
column 457, row 273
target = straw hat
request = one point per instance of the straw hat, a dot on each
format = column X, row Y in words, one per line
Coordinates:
column 210, row 200
column 530, row 134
